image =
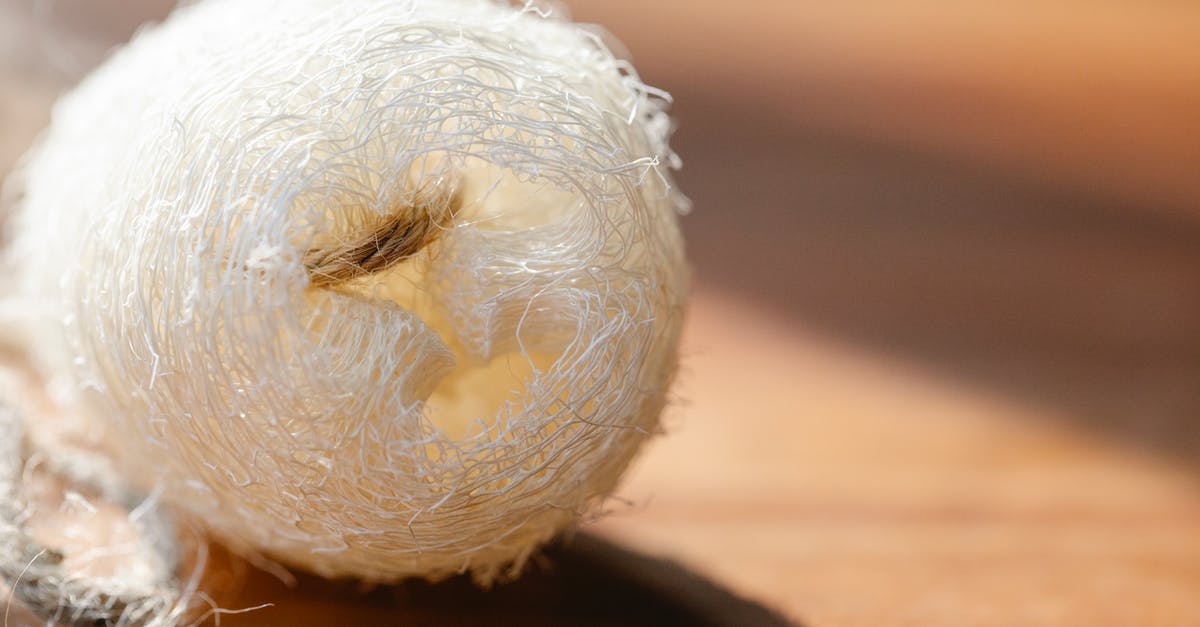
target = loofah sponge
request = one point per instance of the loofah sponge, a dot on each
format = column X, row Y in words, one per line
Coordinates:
column 379, row 288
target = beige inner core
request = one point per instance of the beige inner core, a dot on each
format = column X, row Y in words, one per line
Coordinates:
column 469, row 399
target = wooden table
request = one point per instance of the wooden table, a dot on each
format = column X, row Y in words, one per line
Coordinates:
column 847, row 488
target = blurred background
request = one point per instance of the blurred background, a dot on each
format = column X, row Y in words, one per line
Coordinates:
column 943, row 360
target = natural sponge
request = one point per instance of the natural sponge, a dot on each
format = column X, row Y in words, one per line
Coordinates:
column 380, row 288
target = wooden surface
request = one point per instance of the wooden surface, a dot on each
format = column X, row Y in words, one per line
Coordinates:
column 943, row 362
column 1094, row 94
column 848, row 488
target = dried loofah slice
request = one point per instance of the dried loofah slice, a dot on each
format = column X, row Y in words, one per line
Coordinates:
column 381, row 288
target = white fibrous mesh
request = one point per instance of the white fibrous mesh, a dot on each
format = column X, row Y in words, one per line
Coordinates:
column 441, row 412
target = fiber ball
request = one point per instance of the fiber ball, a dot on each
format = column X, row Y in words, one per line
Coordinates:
column 377, row 288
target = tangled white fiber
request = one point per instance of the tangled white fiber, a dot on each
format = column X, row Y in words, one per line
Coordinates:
column 379, row 288
column 125, row 576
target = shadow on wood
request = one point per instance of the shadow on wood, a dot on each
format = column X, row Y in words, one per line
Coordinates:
column 583, row 581
column 1062, row 296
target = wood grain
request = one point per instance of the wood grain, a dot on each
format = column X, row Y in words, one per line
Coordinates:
column 1092, row 95
column 849, row 488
